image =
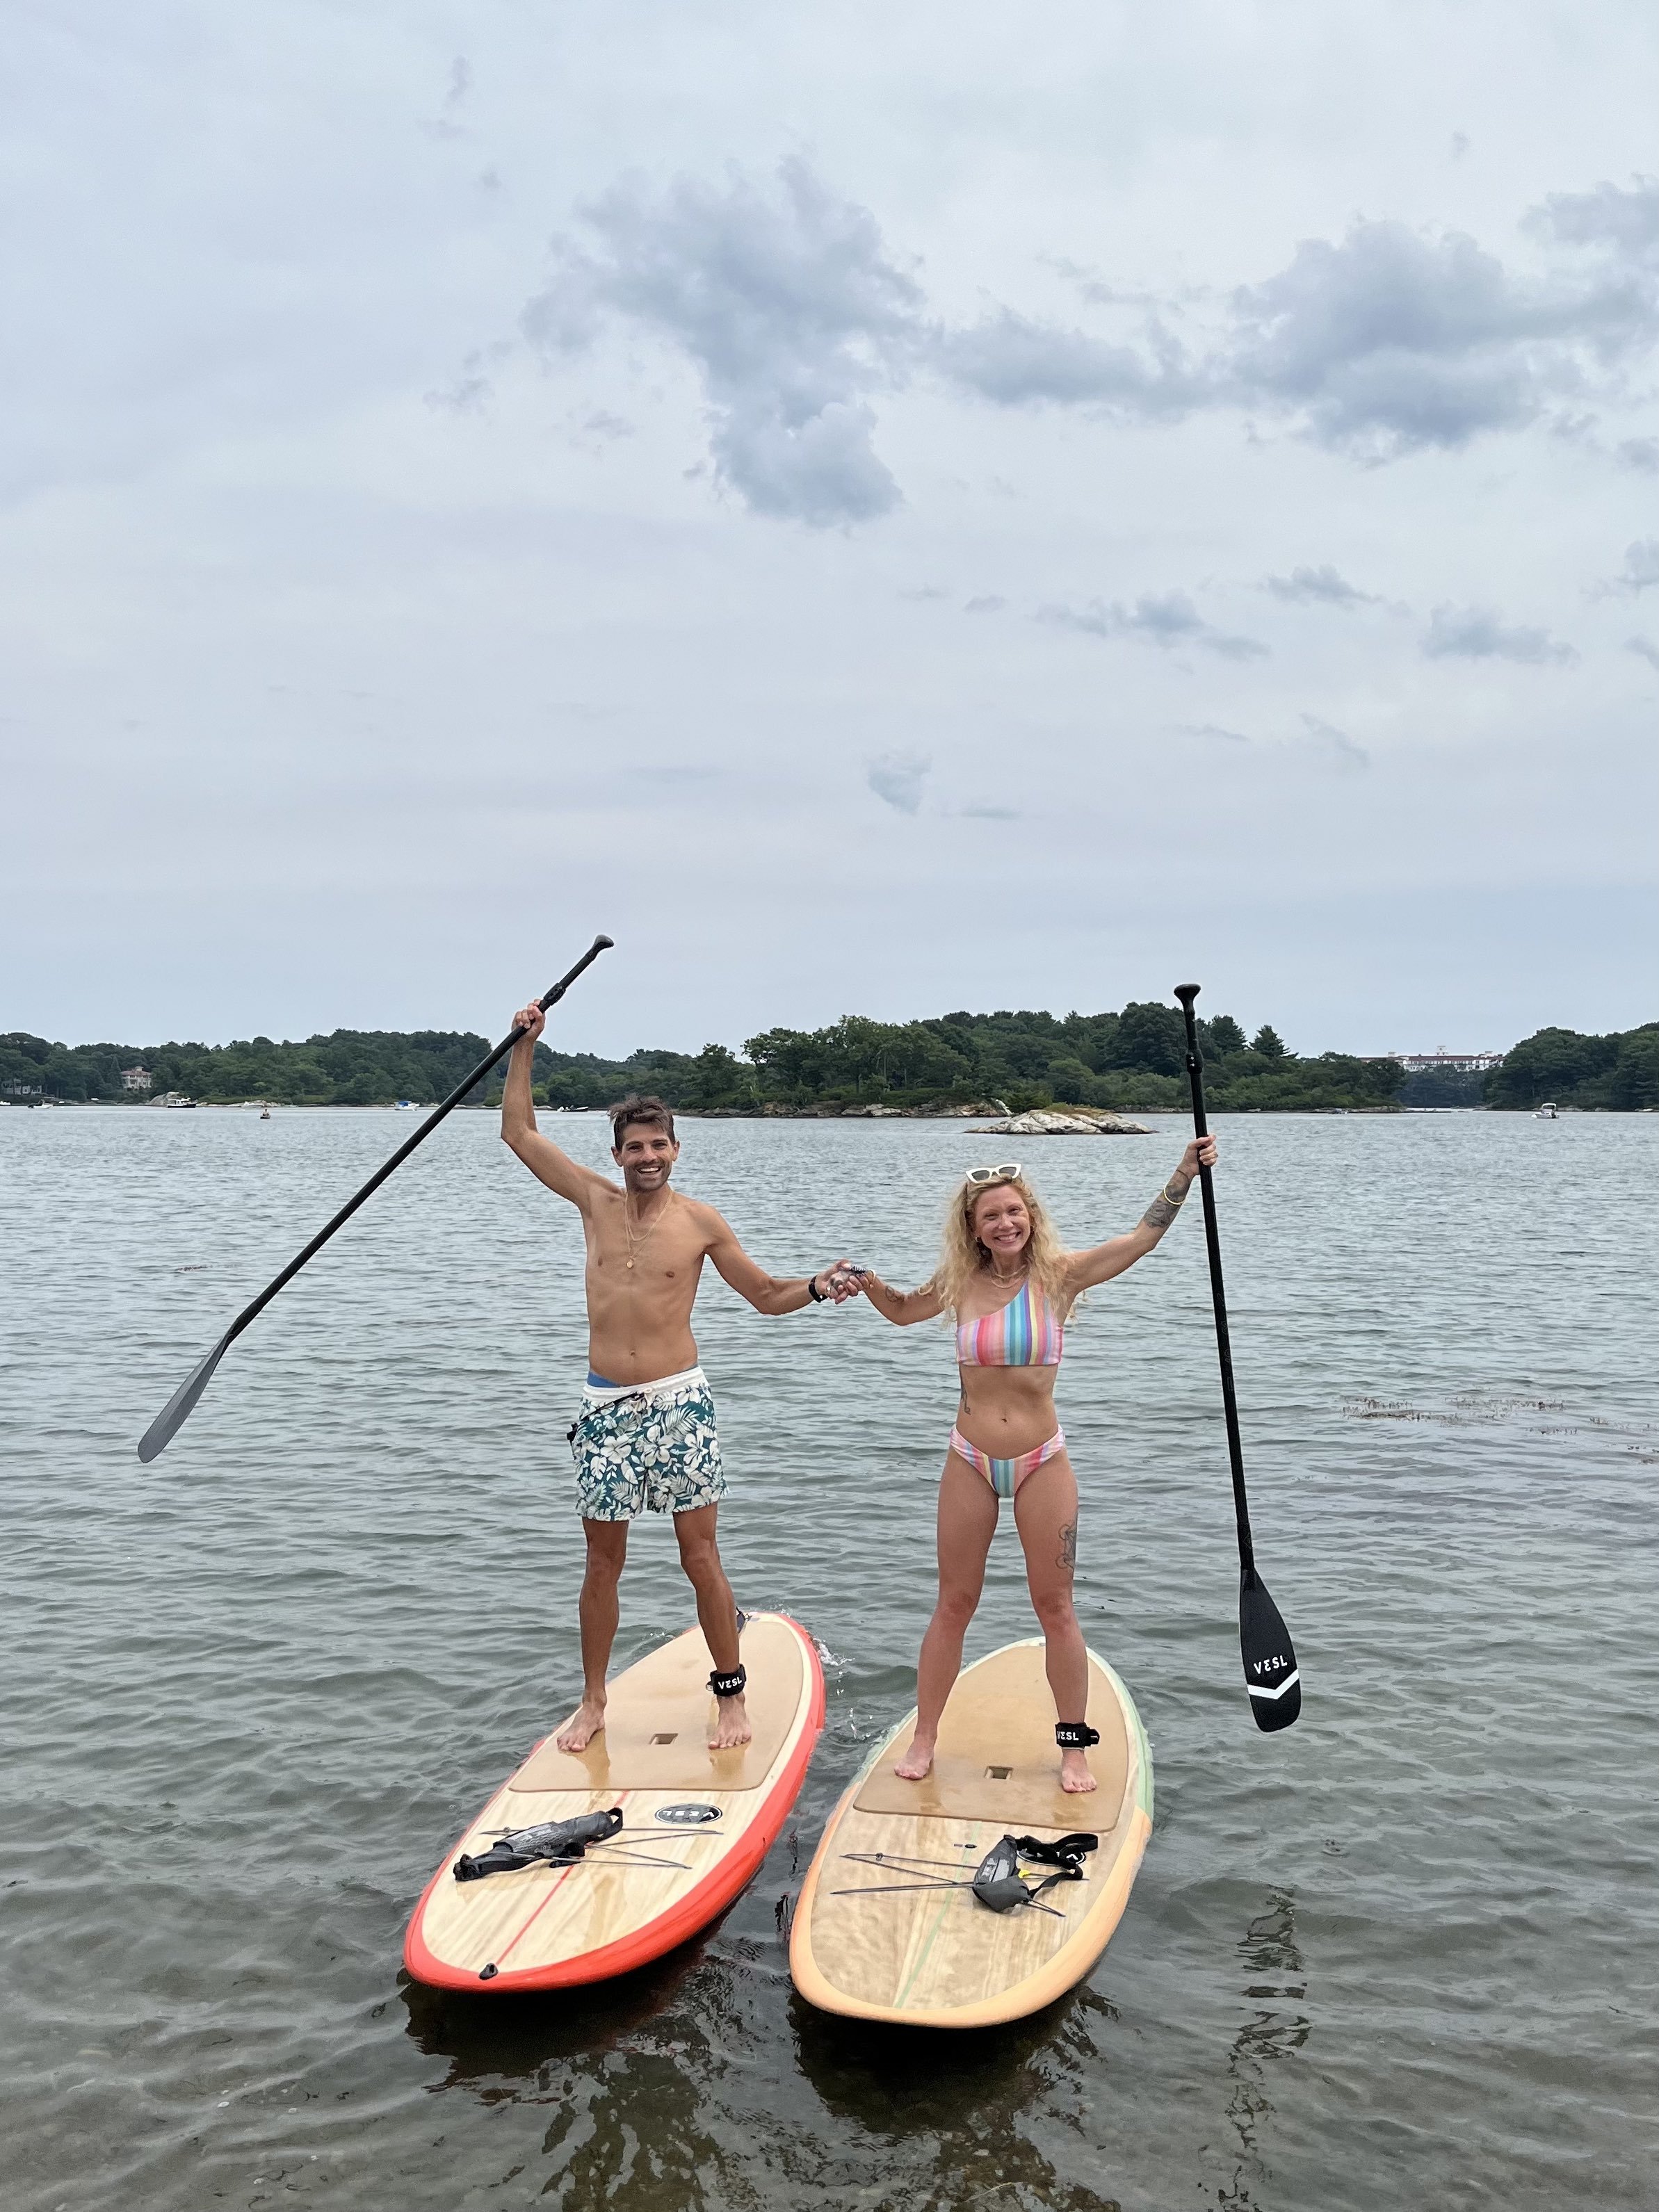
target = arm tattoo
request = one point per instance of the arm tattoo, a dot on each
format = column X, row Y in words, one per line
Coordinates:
column 1165, row 1206
column 1068, row 1545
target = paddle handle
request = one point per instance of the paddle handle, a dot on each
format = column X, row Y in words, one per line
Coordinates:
column 551, row 998
column 1187, row 992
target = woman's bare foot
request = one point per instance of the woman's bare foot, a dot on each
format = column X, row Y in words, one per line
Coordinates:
column 731, row 1724
column 584, row 1724
column 917, row 1763
column 1074, row 1775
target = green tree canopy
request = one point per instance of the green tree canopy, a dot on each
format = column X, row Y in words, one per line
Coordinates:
column 1150, row 1037
column 1573, row 1069
column 1133, row 1058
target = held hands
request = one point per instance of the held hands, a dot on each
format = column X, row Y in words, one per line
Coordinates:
column 840, row 1282
column 531, row 1020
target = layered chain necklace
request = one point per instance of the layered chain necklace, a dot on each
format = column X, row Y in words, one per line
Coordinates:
column 637, row 1244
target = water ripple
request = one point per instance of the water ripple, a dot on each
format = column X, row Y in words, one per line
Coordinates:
column 1389, row 1958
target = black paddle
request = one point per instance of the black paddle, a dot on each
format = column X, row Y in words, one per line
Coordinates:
column 182, row 1404
column 1270, row 1670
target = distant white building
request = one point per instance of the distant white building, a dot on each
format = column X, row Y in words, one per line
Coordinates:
column 1460, row 1063
column 135, row 1078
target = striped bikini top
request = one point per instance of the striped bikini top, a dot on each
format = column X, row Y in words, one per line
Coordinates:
column 1025, row 1333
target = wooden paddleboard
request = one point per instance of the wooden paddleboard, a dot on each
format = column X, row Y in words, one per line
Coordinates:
column 671, row 1868
column 864, row 1944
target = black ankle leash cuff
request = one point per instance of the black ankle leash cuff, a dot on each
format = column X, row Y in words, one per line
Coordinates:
column 729, row 1685
column 1075, row 1735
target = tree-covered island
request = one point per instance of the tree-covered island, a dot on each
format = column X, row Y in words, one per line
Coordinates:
column 1132, row 1059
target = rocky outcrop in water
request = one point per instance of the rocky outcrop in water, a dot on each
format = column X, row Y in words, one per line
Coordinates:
column 1095, row 1122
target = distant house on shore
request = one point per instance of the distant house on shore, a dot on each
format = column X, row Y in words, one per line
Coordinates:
column 1449, row 1063
column 135, row 1078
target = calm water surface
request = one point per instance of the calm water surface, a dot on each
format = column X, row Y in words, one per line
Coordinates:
column 1400, row 1956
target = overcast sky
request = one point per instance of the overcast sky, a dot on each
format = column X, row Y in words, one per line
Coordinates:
column 879, row 509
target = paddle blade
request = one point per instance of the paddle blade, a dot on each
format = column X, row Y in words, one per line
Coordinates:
column 1270, row 1668
column 181, row 1405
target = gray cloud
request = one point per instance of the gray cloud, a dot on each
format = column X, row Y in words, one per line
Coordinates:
column 1622, row 219
column 1377, row 345
column 898, row 779
column 1321, row 586
column 1016, row 362
column 1390, row 341
column 1479, row 634
column 1641, row 570
column 460, row 83
column 787, row 306
column 1210, row 730
column 1335, row 747
column 1645, row 647
column 988, row 604
column 1166, row 618
column 464, row 395
column 1641, row 454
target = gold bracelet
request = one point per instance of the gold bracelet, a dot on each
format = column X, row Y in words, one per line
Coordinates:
column 1168, row 1200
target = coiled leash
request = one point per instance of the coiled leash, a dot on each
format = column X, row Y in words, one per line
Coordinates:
column 560, row 1842
column 998, row 1882
column 563, row 1842
column 1001, row 1884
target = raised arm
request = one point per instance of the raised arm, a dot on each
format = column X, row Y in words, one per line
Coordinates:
column 539, row 1154
column 771, row 1294
column 1102, row 1261
column 899, row 1307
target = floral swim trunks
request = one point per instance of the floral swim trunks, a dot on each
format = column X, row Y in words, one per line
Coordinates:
column 650, row 1448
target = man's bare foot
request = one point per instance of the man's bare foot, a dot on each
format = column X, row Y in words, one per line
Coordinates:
column 731, row 1724
column 1074, row 1775
column 584, row 1724
column 917, row 1763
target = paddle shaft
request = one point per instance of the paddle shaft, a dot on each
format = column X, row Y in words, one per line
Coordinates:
column 251, row 1312
column 1187, row 992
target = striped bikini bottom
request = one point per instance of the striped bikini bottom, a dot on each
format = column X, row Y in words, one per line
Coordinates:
column 1006, row 1475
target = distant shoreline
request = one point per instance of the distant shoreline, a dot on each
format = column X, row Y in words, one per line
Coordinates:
column 770, row 1113
column 946, row 1066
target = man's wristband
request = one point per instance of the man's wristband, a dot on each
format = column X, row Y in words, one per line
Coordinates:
column 818, row 1296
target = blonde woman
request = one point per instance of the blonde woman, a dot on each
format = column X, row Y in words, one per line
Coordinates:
column 1010, row 1285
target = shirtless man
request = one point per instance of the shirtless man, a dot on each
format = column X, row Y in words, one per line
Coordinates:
column 645, row 1437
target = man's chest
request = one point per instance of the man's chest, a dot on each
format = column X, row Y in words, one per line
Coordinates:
column 671, row 1254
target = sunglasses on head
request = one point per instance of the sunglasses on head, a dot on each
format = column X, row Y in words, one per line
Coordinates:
column 1006, row 1173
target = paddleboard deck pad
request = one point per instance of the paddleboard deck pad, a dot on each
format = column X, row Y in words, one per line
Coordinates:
column 586, row 1865
column 888, row 1925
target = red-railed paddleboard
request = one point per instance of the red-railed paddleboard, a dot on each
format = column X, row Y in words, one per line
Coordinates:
column 696, row 1823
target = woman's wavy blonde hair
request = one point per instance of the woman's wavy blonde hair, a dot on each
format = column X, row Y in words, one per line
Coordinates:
column 963, row 1258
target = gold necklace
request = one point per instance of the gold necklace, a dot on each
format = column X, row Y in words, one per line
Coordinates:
column 636, row 1246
